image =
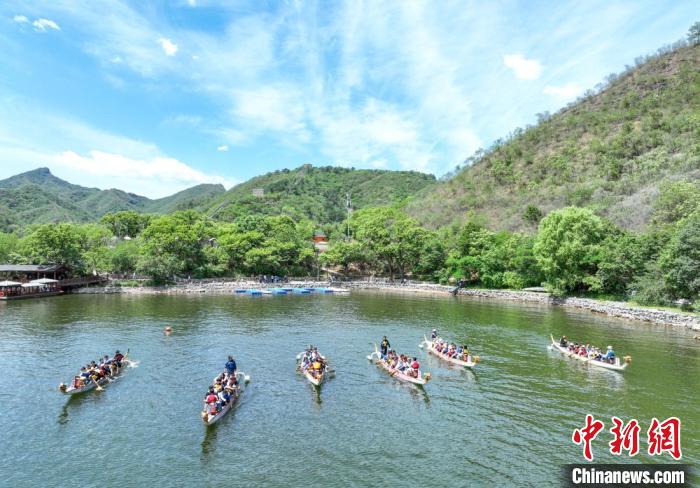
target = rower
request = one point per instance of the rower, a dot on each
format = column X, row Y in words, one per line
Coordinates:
column 231, row 366
column 434, row 334
column 384, row 347
column 118, row 357
column 563, row 342
column 609, row 355
column 415, row 366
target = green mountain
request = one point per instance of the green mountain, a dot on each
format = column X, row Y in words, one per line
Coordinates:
column 610, row 151
column 40, row 197
column 318, row 193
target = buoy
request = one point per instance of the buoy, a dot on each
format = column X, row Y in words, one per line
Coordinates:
column 168, row 330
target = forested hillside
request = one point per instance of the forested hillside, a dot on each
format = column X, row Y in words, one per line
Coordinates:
column 40, row 197
column 610, row 151
column 318, row 193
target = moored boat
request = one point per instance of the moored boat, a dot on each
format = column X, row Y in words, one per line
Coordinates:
column 616, row 366
column 470, row 361
column 420, row 380
column 91, row 384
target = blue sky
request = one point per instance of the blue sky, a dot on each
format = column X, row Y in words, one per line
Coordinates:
column 155, row 97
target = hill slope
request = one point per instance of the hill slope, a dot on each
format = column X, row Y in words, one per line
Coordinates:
column 40, row 197
column 318, row 193
column 609, row 151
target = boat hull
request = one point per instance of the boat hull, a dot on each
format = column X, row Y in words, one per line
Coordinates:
column 313, row 380
column 471, row 363
column 400, row 376
column 617, row 366
column 208, row 419
column 92, row 385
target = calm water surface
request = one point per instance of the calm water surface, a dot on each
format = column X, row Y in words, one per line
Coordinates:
column 510, row 422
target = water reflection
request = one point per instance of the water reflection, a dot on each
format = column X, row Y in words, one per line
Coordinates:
column 209, row 443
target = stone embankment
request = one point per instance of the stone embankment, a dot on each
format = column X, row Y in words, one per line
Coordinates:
column 615, row 309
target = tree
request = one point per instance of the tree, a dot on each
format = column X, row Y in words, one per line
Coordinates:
column 623, row 258
column 126, row 223
column 694, row 34
column 95, row 254
column 676, row 200
column 391, row 236
column 568, row 248
column 124, row 257
column 54, row 244
column 532, row 215
column 344, row 253
column 8, row 246
column 175, row 243
column 680, row 261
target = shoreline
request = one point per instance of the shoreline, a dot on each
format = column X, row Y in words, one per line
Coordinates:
column 620, row 310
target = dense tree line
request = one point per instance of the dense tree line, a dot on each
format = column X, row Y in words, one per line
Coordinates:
column 574, row 251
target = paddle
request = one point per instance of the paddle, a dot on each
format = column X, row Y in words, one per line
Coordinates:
column 99, row 388
column 246, row 378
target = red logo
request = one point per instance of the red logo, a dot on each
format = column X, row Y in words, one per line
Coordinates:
column 587, row 435
column 665, row 437
column 661, row 437
column 626, row 438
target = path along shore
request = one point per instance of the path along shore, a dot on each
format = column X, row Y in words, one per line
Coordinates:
column 614, row 309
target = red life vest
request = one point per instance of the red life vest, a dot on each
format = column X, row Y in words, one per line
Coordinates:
column 415, row 365
column 211, row 398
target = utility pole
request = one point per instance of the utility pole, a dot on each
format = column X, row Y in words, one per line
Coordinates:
column 349, row 210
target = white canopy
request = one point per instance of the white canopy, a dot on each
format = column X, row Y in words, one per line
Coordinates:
column 44, row 281
column 31, row 285
column 9, row 283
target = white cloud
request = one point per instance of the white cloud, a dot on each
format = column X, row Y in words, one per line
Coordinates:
column 41, row 25
column 81, row 154
column 524, row 69
column 20, row 19
column 169, row 47
column 192, row 3
column 222, row 148
column 158, row 176
column 568, row 91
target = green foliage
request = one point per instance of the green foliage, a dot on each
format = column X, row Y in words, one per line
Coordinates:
column 82, row 248
column 532, row 215
column 680, row 261
column 173, row 244
column 126, row 223
column 124, row 257
column 649, row 288
column 623, row 256
column 568, row 248
column 393, row 238
column 345, row 254
column 493, row 260
column 676, row 200
column 38, row 197
column 318, row 193
column 8, row 246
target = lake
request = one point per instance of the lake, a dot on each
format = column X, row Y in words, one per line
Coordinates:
column 508, row 422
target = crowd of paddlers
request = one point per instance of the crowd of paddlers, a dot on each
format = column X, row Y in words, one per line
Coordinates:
column 399, row 362
column 97, row 371
column 312, row 362
column 223, row 390
column 449, row 349
column 588, row 351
